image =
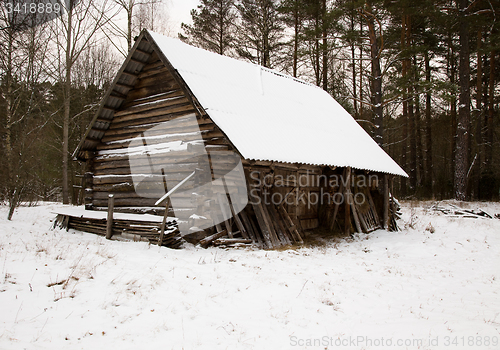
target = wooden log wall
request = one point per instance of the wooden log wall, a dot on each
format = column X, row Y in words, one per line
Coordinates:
column 157, row 115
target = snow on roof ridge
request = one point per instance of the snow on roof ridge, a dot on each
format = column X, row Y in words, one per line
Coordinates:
column 265, row 117
column 287, row 76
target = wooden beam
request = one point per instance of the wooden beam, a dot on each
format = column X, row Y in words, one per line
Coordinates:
column 291, row 226
column 109, row 222
column 207, row 240
column 117, row 94
column 133, row 75
column 143, row 52
column 126, row 86
column 264, row 226
column 347, row 192
column 386, row 202
column 239, row 224
column 355, row 215
column 95, row 130
column 249, row 227
column 226, row 222
column 337, row 203
column 138, row 61
column 163, row 223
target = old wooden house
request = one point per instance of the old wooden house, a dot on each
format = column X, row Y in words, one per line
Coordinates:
column 235, row 151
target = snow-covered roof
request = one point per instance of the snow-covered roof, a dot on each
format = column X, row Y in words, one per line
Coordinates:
column 271, row 116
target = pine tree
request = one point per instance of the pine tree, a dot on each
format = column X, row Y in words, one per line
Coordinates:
column 213, row 26
column 260, row 32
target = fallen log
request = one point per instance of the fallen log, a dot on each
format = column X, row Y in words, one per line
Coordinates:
column 229, row 241
column 205, row 242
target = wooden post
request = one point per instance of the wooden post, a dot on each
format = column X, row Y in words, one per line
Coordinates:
column 239, row 224
column 355, row 215
column 167, row 198
column 337, row 205
column 347, row 199
column 109, row 223
column 220, row 199
column 386, row 202
column 163, row 223
column 88, row 184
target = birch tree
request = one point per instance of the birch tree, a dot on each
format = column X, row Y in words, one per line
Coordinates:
column 23, row 61
column 74, row 32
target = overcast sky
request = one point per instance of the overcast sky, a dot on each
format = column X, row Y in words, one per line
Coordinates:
column 179, row 12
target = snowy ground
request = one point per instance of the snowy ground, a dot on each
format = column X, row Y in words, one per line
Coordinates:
column 436, row 282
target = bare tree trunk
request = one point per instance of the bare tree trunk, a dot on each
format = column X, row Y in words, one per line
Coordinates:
column 129, row 24
column 67, row 108
column 361, row 72
column 411, row 114
column 428, row 130
column 325, row 47
column 418, row 136
column 404, row 135
column 266, row 51
column 453, row 109
column 463, row 125
column 8, row 125
column 376, row 82
column 478, row 118
column 491, row 114
column 353, row 60
column 296, row 28
column 221, row 29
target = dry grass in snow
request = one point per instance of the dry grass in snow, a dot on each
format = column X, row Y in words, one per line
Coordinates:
column 435, row 281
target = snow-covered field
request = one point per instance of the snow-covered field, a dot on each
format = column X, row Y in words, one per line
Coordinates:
column 434, row 285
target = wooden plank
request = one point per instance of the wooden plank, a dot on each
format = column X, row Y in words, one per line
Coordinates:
column 152, row 90
column 164, row 222
column 363, row 222
column 150, row 99
column 239, row 224
column 205, row 242
column 230, row 241
column 264, row 226
column 248, row 226
column 337, row 204
column 143, row 52
column 291, row 226
column 132, row 75
column 159, row 103
column 125, row 86
column 151, row 116
column 278, row 225
column 386, row 202
column 226, row 222
column 373, row 207
column 355, row 214
column 160, row 69
column 180, row 126
column 138, row 61
column 347, row 194
column 109, row 222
